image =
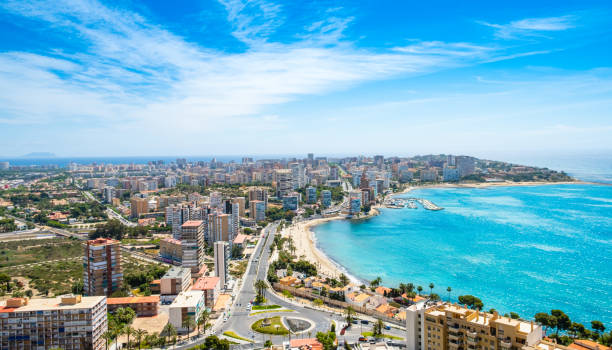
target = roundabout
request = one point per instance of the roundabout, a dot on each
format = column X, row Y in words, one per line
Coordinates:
column 282, row 325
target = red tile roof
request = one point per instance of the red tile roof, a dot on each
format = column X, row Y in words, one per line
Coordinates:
column 192, row 223
column 132, row 300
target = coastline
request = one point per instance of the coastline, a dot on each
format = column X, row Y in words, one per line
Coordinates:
column 306, row 247
column 305, row 238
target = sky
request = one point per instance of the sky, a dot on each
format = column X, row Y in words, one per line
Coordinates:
column 134, row 78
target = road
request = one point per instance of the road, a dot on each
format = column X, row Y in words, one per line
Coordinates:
column 114, row 215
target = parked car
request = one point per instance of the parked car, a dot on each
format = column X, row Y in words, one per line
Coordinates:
column 363, row 339
column 364, row 322
column 387, row 327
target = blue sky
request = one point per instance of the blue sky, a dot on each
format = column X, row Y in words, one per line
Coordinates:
column 124, row 77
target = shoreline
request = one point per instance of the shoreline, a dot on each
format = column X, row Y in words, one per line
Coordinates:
column 306, row 243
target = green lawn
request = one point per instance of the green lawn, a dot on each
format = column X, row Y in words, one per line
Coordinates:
column 388, row 336
column 275, row 326
column 265, row 307
column 269, row 311
column 236, row 336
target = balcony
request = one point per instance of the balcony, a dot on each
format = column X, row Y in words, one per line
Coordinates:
column 472, row 341
column 453, row 326
column 506, row 344
column 453, row 345
column 453, row 336
column 472, row 334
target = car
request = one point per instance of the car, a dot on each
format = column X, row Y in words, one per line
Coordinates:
column 342, row 331
column 355, row 321
column 364, row 322
column 363, row 339
column 387, row 327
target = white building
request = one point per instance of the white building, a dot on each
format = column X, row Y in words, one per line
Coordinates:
column 221, row 250
column 190, row 304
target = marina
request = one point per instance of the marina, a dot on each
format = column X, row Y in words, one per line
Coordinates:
column 411, row 203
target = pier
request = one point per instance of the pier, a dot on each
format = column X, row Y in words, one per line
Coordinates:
column 397, row 203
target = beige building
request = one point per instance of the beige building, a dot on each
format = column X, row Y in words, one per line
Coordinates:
column 139, row 206
column 69, row 322
column 192, row 244
column 219, row 227
column 102, row 273
column 454, row 327
column 241, row 205
column 175, row 281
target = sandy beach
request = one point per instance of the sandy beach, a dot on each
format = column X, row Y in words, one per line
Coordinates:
column 305, row 246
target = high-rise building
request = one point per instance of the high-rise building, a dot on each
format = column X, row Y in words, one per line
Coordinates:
column 258, row 210
column 429, row 175
column 453, row 327
column 215, row 199
column 68, row 322
column 241, row 205
column 102, row 273
column 297, row 175
column 109, row 194
column 354, row 202
column 139, row 206
column 191, row 304
column 311, row 195
column 219, row 227
column 310, row 159
column 450, row 174
column 192, row 244
column 326, row 198
column 466, row 165
column 290, row 201
column 284, row 182
column 258, row 194
column 333, row 173
column 221, row 250
column 235, row 219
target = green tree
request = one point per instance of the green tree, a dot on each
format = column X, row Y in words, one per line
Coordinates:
column 268, row 343
column 598, row 327
column 328, row 340
column 188, row 323
column 203, row 321
column 377, row 329
column 261, row 287
column 563, row 321
column 431, row 287
column 471, row 301
column 514, row 316
column 376, row 282
column 449, row 289
column 343, row 279
column 127, row 330
column 108, row 336
column 139, row 334
column 349, row 314
column 6, row 279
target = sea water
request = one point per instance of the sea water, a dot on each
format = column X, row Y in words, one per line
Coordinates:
column 525, row 249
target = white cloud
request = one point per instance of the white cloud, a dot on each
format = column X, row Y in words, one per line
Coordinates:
column 532, row 26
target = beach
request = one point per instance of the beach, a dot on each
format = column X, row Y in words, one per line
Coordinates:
column 305, row 246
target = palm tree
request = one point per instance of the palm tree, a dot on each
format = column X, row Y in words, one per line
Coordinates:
column 108, row 337
column 376, row 282
column 349, row 315
column 203, row 320
column 449, row 289
column 378, row 327
column 118, row 332
column 139, row 334
column 128, row 331
column 187, row 323
column 261, row 287
column 431, row 287
column 169, row 331
column 419, row 289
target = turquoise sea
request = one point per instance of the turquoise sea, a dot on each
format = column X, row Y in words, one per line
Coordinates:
column 524, row 249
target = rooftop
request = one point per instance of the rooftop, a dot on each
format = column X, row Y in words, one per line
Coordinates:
column 240, row 238
column 206, row 283
column 133, row 300
column 190, row 298
column 52, row 304
column 192, row 224
column 102, row 241
column 177, row 272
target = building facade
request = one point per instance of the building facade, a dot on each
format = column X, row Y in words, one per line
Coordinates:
column 102, row 273
column 69, row 322
column 221, row 250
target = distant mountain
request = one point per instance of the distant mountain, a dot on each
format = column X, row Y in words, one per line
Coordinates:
column 39, row 155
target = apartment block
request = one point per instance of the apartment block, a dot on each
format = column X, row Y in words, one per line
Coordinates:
column 138, row 206
column 69, row 322
column 187, row 304
column 258, row 210
column 454, row 327
column 221, row 250
column 192, row 244
column 102, row 273
column 211, row 287
column 175, row 281
column 143, row 306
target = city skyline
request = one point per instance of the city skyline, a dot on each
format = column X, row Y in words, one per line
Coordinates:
column 116, row 78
